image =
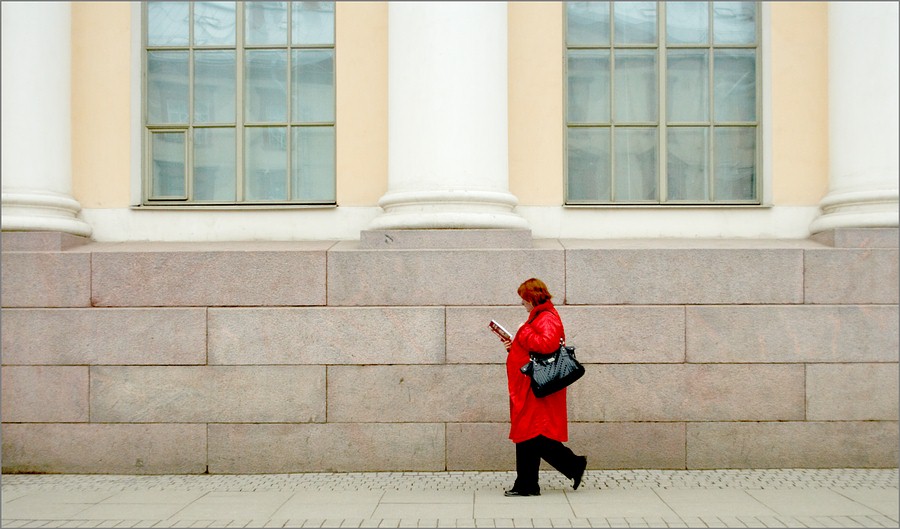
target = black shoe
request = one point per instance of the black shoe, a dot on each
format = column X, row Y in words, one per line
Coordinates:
column 514, row 492
column 580, row 472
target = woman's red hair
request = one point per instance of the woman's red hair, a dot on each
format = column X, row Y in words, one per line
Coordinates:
column 534, row 291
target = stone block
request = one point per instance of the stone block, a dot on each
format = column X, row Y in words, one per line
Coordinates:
column 350, row 335
column 289, row 448
column 859, row 238
column 104, row 336
column 209, row 275
column 359, row 277
column 486, row 446
column 852, row 276
column 208, row 394
column 852, row 392
column 713, row 445
column 45, row 279
column 40, row 241
column 430, row 239
column 600, row 334
column 105, row 448
column 683, row 276
column 44, row 394
column 801, row 333
column 406, row 393
column 686, row 392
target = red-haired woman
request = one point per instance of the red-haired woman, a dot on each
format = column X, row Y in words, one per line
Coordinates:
column 539, row 425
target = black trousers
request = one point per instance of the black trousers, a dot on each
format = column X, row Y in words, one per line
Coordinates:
column 528, row 461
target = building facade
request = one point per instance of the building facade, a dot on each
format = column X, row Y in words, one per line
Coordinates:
column 268, row 237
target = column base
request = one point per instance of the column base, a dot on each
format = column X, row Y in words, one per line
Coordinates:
column 448, row 210
column 876, row 208
column 42, row 211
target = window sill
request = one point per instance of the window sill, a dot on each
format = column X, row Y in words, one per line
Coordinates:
column 230, row 207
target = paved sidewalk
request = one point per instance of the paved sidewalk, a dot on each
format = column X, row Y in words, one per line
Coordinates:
column 633, row 498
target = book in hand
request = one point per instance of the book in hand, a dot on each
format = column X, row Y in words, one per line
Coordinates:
column 499, row 330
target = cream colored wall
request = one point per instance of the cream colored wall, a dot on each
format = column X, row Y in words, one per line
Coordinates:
column 101, row 95
column 799, row 62
column 361, row 76
column 536, row 102
column 101, row 92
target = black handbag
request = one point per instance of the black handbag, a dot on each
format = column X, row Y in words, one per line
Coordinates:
column 552, row 372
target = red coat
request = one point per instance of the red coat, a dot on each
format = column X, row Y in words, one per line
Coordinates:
column 530, row 416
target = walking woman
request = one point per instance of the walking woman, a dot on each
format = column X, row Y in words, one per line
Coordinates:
column 539, row 425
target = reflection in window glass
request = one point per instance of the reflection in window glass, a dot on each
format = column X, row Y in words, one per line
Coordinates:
column 735, row 159
column 313, row 163
column 636, row 163
column 167, row 165
column 214, row 86
column 687, row 22
column 265, row 23
column 214, row 164
column 168, row 23
column 588, row 23
column 265, row 96
column 735, row 85
column 312, row 23
column 588, row 161
column 734, row 22
column 167, row 87
column 265, row 159
column 312, row 74
column 634, row 22
column 636, row 97
column 214, row 23
column 687, row 84
column 589, row 90
column 687, row 169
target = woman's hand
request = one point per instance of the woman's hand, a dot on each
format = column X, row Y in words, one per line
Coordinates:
column 506, row 342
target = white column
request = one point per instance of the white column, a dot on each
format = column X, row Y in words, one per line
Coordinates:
column 36, row 119
column 447, row 118
column 863, row 117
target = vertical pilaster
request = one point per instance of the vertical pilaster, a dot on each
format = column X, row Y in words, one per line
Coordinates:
column 447, row 118
column 863, row 117
column 36, row 119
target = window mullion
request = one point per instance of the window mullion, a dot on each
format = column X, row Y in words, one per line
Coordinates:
column 662, row 85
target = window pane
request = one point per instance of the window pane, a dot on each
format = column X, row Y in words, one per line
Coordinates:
column 634, row 22
column 735, row 155
column 687, row 73
column 167, row 23
column 214, row 23
column 167, row 165
column 313, row 85
column 214, row 86
column 636, row 164
column 587, row 23
column 214, row 166
column 313, row 163
column 167, row 87
column 588, row 164
column 636, row 97
column 265, row 156
column 312, row 23
column 734, row 22
column 687, row 22
column 266, row 92
column 687, row 168
column 735, row 85
column 266, row 23
column 588, row 97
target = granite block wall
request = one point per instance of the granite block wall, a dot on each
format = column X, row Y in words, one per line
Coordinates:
column 146, row 358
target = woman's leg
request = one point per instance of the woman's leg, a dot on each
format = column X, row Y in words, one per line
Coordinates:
column 562, row 458
column 528, row 463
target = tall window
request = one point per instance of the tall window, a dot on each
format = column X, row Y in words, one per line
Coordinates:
column 239, row 103
column 662, row 103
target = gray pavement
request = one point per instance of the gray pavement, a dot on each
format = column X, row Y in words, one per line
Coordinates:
column 627, row 498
